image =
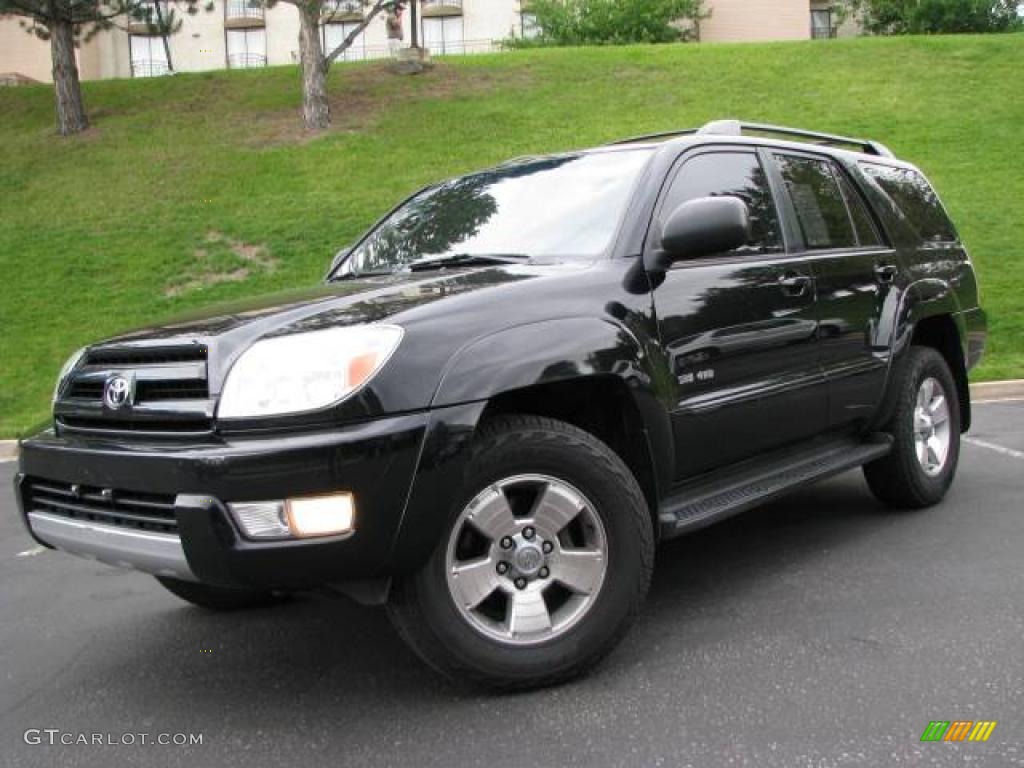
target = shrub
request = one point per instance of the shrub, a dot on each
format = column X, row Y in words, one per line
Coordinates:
column 922, row 17
column 595, row 22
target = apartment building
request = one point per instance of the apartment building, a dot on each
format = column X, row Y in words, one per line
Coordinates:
column 244, row 33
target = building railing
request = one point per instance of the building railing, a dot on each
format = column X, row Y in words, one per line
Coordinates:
column 149, row 68
column 441, row 7
column 246, row 60
column 467, row 47
column 824, row 33
column 343, row 9
column 244, row 10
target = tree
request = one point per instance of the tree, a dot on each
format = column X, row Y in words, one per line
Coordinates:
column 67, row 23
column 590, row 22
column 314, row 61
column 924, row 17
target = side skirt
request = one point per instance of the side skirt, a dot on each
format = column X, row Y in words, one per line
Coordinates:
column 727, row 492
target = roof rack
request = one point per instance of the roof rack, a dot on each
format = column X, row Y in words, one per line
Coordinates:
column 737, row 128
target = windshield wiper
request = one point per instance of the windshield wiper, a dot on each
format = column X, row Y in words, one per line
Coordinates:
column 465, row 260
column 354, row 275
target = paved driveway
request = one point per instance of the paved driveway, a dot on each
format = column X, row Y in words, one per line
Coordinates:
column 817, row 631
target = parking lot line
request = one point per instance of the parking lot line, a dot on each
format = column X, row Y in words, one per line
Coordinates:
column 994, row 447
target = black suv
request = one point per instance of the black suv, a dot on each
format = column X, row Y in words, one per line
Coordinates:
column 519, row 381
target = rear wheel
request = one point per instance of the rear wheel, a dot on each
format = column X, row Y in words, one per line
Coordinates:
column 218, row 598
column 545, row 560
column 926, row 430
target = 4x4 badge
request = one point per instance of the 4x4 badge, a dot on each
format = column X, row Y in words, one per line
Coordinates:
column 117, row 392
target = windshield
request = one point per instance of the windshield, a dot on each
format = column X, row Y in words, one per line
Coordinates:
column 556, row 206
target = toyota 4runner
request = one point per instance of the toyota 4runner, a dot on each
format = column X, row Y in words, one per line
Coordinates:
column 519, row 381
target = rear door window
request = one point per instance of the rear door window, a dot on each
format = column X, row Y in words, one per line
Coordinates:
column 820, row 208
column 867, row 232
column 911, row 193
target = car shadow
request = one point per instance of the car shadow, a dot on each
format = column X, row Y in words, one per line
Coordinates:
column 335, row 653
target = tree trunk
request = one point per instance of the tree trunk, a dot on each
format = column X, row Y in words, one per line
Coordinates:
column 163, row 35
column 70, row 110
column 316, row 112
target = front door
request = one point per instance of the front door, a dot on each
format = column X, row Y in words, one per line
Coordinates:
column 739, row 328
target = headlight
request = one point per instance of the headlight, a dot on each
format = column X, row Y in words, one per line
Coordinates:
column 306, row 371
column 69, row 366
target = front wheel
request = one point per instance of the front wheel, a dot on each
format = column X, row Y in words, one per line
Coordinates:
column 545, row 560
column 926, row 430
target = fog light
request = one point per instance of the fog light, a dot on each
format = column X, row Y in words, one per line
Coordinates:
column 321, row 515
column 261, row 519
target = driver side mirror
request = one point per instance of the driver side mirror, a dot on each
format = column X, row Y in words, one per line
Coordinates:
column 703, row 227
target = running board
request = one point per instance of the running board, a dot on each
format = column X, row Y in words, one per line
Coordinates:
column 755, row 482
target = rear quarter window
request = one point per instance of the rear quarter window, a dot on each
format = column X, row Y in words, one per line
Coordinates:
column 911, row 193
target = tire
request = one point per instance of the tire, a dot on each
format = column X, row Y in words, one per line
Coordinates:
column 901, row 479
column 500, row 644
column 218, row 598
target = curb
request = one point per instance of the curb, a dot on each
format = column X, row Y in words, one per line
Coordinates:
column 989, row 391
column 8, row 450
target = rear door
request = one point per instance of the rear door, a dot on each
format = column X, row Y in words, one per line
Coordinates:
column 854, row 271
column 739, row 328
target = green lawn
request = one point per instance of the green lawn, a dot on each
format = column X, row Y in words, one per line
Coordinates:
column 198, row 188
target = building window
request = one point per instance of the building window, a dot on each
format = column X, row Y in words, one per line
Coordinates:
column 148, row 55
column 334, row 34
column 244, row 10
column 528, row 27
column 821, row 24
column 443, row 34
column 247, row 48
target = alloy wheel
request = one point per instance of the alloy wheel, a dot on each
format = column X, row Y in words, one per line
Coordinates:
column 526, row 559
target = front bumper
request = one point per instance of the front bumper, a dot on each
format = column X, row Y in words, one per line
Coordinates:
column 160, row 554
column 374, row 460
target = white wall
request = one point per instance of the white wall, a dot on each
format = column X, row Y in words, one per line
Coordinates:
column 22, row 52
column 750, row 20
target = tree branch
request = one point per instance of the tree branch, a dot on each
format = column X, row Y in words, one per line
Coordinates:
column 378, row 6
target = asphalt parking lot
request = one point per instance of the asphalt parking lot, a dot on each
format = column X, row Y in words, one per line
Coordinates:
column 817, row 631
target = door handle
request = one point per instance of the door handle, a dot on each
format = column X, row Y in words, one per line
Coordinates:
column 793, row 284
column 886, row 273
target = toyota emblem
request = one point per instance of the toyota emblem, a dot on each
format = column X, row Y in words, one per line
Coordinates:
column 117, row 393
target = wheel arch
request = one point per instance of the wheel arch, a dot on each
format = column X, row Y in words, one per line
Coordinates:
column 601, row 405
column 941, row 333
column 929, row 315
column 589, row 372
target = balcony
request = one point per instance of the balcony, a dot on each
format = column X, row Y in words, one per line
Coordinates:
column 144, row 21
column 335, row 11
column 435, row 8
column 244, row 14
column 150, row 68
column 246, row 60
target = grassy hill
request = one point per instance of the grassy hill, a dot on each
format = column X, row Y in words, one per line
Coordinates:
column 197, row 188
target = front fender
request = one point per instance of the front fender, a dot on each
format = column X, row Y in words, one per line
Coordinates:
column 515, row 358
column 542, row 353
column 564, row 349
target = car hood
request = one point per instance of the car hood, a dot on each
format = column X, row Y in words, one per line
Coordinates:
column 228, row 329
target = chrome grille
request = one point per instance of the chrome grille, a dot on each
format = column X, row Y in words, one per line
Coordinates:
column 130, row 509
column 170, row 391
